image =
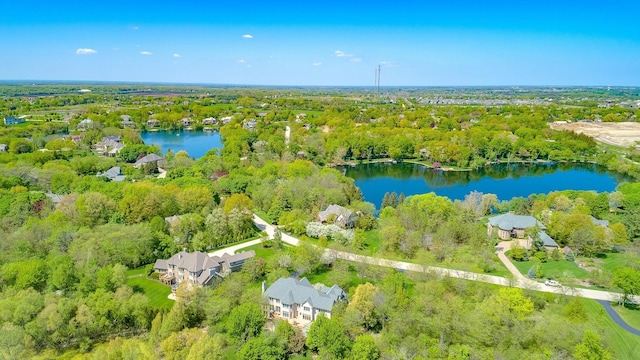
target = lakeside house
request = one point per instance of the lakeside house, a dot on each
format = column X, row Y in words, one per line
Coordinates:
column 209, row 121
column 147, row 159
column 299, row 302
column 339, row 215
column 198, row 268
column 153, row 123
column 509, row 226
column 109, row 146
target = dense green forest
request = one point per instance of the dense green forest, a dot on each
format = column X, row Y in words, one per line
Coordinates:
column 77, row 249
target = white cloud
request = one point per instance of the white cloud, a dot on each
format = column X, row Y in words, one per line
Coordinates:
column 242, row 61
column 389, row 63
column 135, row 28
column 355, row 59
column 317, row 63
column 86, row 51
column 146, row 53
column 176, row 55
column 247, row 36
column 340, row 53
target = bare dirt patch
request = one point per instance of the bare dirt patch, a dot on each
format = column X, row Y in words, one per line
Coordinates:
column 623, row 134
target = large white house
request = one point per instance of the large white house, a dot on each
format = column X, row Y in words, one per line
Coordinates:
column 299, row 302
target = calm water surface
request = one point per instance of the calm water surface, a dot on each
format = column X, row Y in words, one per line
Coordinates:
column 196, row 143
column 506, row 181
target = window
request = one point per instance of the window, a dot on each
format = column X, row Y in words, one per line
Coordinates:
column 306, row 317
column 285, row 314
column 307, row 309
column 285, row 306
column 271, row 307
column 278, row 308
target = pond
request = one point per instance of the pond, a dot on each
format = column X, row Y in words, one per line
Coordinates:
column 506, row 181
column 196, row 143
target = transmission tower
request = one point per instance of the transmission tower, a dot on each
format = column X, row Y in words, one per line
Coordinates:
column 377, row 84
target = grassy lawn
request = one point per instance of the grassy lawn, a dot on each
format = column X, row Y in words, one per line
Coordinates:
column 372, row 241
column 630, row 314
column 351, row 279
column 261, row 252
column 155, row 291
column 612, row 262
column 263, row 215
column 553, row 269
column 622, row 344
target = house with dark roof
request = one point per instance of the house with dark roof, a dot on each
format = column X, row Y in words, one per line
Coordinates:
column 113, row 174
column 339, row 215
column 299, row 302
column 4, row 147
column 199, row 268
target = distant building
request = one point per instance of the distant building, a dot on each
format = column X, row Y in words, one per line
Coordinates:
column 186, row 122
column 250, row 125
column 109, row 146
column 4, row 147
column 113, row 174
column 10, row 120
column 209, row 121
column 153, row 123
column 86, row 124
column 151, row 158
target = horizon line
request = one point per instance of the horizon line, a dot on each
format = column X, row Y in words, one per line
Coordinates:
column 207, row 84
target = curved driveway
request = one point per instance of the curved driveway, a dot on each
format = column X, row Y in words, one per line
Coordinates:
column 616, row 317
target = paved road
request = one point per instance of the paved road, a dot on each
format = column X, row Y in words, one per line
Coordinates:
column 617, row 319
column 519, row 281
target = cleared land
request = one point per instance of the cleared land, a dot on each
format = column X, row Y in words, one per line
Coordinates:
column 623, row 134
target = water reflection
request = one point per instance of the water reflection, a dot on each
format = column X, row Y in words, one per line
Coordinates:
column 504, row 180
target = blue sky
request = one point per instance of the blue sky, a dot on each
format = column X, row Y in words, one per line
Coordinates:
column 416, row 43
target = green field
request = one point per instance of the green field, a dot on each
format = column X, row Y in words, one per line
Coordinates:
column 553, row 269
column 623, row 344
column 155, row 291
column 630, row 314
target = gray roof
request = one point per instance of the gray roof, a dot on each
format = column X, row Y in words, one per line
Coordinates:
column 194, row 262
column 510, row 221
column 200, row 263
column 604, row 223
column 54, row 197
column 291, row 291
column 115, row 174
column 547, row 240
column 161, row 264
column 336, row 210
column 148, row 159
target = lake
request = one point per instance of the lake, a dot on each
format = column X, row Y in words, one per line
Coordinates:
column 506, row 181
column 196, row 143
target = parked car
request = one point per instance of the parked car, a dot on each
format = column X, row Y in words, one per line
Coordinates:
column 552, row 283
